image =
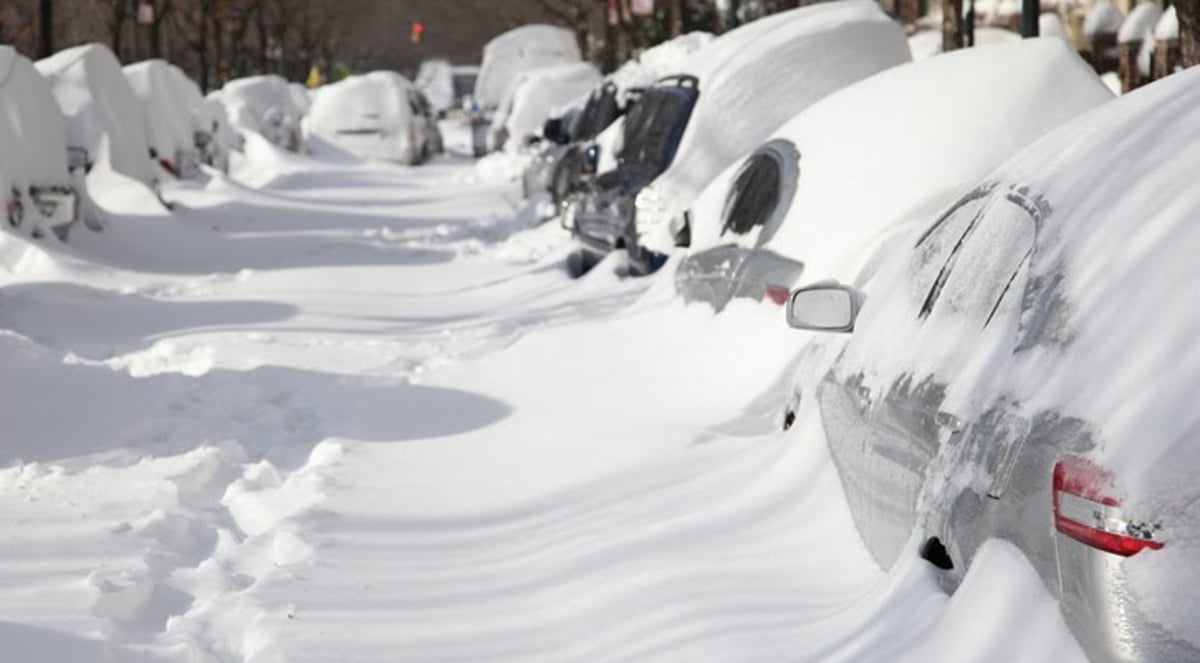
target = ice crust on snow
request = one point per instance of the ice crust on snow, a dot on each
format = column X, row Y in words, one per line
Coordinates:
column 839, row 42
column 99, row 104
column 517, row 51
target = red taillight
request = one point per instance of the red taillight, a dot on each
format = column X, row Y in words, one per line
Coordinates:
column 169, row 166
column 1086, row 510
column 777, row 294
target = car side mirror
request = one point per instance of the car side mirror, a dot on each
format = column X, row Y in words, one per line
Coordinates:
column 827, row 307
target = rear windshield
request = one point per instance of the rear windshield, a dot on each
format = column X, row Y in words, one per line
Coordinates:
column 600, row 111
column 655, row 126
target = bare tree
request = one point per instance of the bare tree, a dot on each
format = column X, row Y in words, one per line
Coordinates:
column 45, row 28
column 1189, row 31
column 952, row 38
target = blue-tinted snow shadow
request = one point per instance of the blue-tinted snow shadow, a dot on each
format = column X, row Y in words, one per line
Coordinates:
column 99, row 324
column 30, row 644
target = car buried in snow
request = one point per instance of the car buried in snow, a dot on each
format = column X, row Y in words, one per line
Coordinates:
column 687, row 128
column 40, row 195
column 839, row 183
column 170, row 118
column 557, row 167
column 373, row 116
column 1026, row 370
column 265, row 105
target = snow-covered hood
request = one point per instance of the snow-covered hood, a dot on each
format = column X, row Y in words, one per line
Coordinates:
column 99, row 103
column 865, row 173
column 793, row 59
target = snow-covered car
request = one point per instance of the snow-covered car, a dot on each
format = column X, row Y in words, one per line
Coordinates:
column 102, row 112
column 212, row 136
column 840, row 181
column 264, row 105
column 435, row 79
column 518, row 51
column 1026, row 370
column 39, row 195
column 301, row 99
column 169, row 114
column 558, row 166
column 537, row 95
column 743, row 95
column 374, row 116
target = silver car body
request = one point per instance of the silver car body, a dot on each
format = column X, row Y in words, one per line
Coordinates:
column 1026, row 371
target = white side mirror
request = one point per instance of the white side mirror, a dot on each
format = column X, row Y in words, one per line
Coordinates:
column 826, row 307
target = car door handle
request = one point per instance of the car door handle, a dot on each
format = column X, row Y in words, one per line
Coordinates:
column 863, row 396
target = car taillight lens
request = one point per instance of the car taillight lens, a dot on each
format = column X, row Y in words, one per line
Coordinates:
column 1086, row 510
column 777, row 294
column 169, row 166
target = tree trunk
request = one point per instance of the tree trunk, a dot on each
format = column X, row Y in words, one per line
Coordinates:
column 951, row 25
column 45, row 28
column 675, row 17
column 1189, row 31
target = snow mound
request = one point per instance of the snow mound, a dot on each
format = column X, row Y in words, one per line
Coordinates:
column 519, row 50
column 834, row 44
column 1051, row 25
column 542, row 93
column 660, row 61
column 1104, row 18
column 1167, row 27
column 264, row 105
column 1140, row 23
column 32, row 129
column 168, row 114
column 99, row 103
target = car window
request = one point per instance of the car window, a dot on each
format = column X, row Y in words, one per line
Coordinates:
column 936, row 250
column 653, row 130
column 984, row 276
column 762, row 191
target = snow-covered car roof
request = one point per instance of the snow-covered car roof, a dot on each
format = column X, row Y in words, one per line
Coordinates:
column 519, row 50
column 253, row 103
column 168, row 117
column 542, row 93
column 753, row 79
column 100, row 106
column 863, row 173
column 367, row 115
column 665, row 59
column 33, row 132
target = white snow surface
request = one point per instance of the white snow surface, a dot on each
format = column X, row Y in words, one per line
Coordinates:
column 665, row 59
column 1103, row 18
column 33, row 133
column 927, row 43
column 831, row 45
column 517, row 51
column 367, row 115
column 100, row 107
column 1051, row 25
column 1167, row 26
column 1140, row 23
column 323, row 409
column 543, row 93
column 168, row 111
column 436, row 79
column 948, row 126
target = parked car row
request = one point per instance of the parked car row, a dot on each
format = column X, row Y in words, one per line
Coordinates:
column 998, row 343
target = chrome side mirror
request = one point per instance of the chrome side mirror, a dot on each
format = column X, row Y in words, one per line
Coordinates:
column 828, row 307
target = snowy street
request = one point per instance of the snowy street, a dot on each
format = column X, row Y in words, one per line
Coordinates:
column 345, row 416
